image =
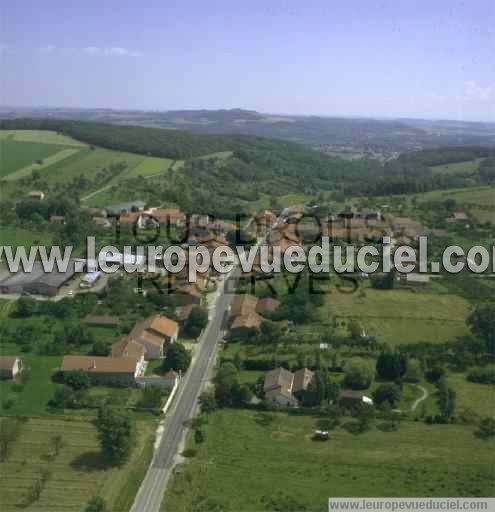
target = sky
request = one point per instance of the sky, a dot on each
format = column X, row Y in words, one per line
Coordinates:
column 430, row 59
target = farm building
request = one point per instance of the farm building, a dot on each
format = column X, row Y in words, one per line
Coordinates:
column 350, row 396
column 105, row 370
column 10, row 367
column 36, row 195
column 37, row 282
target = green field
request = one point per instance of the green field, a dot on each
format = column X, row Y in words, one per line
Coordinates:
column 87, row 163
column 148, row 167
column 15, row 155
column 476, row 196
column 17, row 237
column 32, row 400
column 244, row 464
column 469, row 166
column 77, row 473
column 479, row 398
column 40, row 136
column 401, row 316
column 47, row 162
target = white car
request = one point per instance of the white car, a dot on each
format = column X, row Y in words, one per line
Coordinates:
column 70, row 292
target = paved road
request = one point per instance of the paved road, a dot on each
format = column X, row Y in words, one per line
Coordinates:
column 150, row 494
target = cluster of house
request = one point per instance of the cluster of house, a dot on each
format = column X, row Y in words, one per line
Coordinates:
column 246, row 314
column 354, row 225
column 148, row 340
column 135, row 213
column 284, row 388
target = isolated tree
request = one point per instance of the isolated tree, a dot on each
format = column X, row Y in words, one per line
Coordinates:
column 196, row 322
column 199, row 436
column 226, row 385
column 207, row 402
column 391, row 365
column 25, row 307
column 321, row 389
column 435, row 373
column 270, row 332
column 482, row 323
column 115, row 432
column 355, row 329
column 365, row 417
column 96, row 504
column 177, row 358
column 446, row 400
column 358, row 374
column 100, row 348
column 389, row 393
column 77, row 379
column 486, row 428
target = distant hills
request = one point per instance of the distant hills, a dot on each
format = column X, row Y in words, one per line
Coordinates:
column 367, row 137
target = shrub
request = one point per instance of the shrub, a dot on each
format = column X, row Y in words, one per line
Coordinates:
column 389, row 393
column 358, row 374
column 77, row 380
column 486, row 428
column 482, row 375
column 435, row 374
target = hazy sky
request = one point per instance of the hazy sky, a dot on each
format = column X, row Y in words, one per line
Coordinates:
column 432, row 59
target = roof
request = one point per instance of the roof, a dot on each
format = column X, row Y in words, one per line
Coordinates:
column 302, row 379
column 139, row 333
column 7, row 362
column 101, row 221
column 278, row 378
column 172, row 215
column 249, row 321
column 243, row 305
column 460, row 216
column 127, row 347
column 129, row 217
column 39, row 276
column 162, row 325
column 93, row 364
column 282, row 390
column 267, row 305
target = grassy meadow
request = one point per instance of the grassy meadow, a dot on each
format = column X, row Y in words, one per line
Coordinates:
column 19, row 154
column 277, row 466
column 41, row 137
column 469, row 166
column 399, row 316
